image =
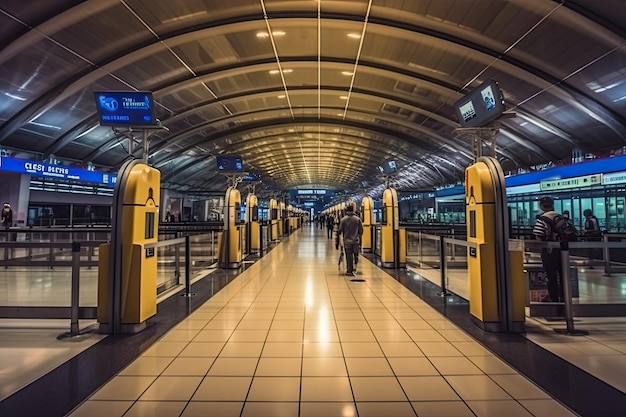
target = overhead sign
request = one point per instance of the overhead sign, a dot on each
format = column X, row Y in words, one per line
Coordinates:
column 125, row 108
column 42, row 169
column 311, row 192
column 229, row 163
column 480, row 106
column 615, row 178
column 566, row 183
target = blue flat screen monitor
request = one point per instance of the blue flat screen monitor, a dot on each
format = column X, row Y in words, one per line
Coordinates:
column 480, row 106
column 125, row 108
column 251, row 177
column 388, row 167
column 229, row 163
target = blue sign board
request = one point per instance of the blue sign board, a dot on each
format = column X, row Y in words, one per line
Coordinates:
column 42, row 169
column 251, row 177
column 125, row 108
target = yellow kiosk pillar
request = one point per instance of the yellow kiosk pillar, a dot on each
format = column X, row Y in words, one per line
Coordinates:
column 127, row 271
column 367, row 216
column 232, row 253
column 393, row 238
column 273, row 215
column 253, row 228
column 496, row 278
column 282, row 214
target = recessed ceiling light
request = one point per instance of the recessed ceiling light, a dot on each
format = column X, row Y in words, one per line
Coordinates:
column 282, row 96
column 354, row 35
column 343, row 97
column 347, row 73
column 262, row 35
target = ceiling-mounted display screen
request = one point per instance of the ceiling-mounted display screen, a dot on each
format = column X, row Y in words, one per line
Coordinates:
column 480, row 106
column 125, row 108
column 229, row 163
column 388, row 167
column 251, row 177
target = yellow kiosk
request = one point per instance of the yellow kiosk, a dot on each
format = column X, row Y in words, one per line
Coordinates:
column 367, row 217
column 292, row 221
column 282, row 213
column 273, row 215
column 253, row 228
column 496, row 277
column 127, row 270
column 393, row 238
column 231, row 255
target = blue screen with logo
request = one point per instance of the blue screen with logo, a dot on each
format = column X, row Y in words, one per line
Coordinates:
column 125, row 108
column 229, row 163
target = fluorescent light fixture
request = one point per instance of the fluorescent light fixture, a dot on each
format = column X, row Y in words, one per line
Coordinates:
column 354, row 35
column 15, row 97
column 343, row 97
column 275, row 33
column 347, row 73
column 46, row 125
column 285, row 71
column 429, row 69
column 185, row 17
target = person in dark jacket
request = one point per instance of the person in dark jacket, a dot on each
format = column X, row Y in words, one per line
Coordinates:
column 351, row 228
column 592, row 234
column 330, row 225
column 7, row 216
column 550, row 257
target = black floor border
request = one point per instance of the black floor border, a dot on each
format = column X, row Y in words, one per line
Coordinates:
column 582, row 392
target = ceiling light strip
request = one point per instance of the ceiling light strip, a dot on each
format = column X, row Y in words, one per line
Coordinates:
column 358, row 57
column 280, row 68
column 507, row 50
column 319, row 85
column 183, row 63
column 306, row 168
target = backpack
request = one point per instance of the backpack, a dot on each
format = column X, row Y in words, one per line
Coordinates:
column 561, row 228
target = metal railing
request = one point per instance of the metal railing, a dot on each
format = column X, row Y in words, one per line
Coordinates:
column 54, row 278
column 443, row 261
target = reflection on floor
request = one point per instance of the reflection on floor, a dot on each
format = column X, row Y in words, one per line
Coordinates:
column 292, row 336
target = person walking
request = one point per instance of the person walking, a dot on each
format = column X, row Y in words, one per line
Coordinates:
column 550, row 257
column 351, row 228
column 330, row 225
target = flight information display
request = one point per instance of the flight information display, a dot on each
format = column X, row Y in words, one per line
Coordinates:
column 125, row 108
column 229, row 163
column 480, row 106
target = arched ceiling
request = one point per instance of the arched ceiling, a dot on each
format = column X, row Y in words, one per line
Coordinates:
column 312, row 93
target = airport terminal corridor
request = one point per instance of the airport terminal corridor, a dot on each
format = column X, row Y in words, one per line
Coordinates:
column 293, row 336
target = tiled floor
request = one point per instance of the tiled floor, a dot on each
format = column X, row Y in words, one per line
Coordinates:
column 292, row 336
column 418, row 345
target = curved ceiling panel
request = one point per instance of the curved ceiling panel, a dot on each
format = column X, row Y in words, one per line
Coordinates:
column 313, row 93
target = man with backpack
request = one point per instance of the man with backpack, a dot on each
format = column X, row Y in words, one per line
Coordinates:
column 545, row 229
